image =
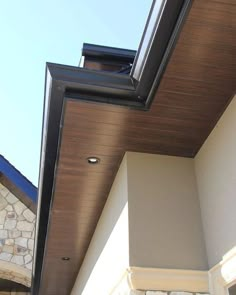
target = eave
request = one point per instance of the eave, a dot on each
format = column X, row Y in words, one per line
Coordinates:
column 71, row 92
column 18, row 184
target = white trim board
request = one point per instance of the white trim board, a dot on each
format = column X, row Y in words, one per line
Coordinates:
column 138, row 278
column 223, row 275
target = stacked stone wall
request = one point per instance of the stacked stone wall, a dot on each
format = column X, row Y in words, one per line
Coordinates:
column 17, row 226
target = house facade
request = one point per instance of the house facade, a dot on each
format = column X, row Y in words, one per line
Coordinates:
column 168, row 225
column 137, row 173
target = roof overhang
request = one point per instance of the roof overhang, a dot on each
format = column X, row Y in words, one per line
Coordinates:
column 18, row 184
column 65, row 82
column 67, row 86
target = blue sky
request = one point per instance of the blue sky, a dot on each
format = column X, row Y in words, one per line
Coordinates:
column 34, row 32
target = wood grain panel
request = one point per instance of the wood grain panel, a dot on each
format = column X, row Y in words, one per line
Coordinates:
column 197, row 86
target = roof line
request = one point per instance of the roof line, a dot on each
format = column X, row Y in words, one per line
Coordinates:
column 18, row 179
column 107, row 52
column 66, row 82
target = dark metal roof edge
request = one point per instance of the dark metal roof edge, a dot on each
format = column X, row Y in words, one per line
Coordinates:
column 107, row 52
column 18, row 179
column 160, row 47
column 53, row 105
column 64, row 82
column 186, row 6
column 88, row 80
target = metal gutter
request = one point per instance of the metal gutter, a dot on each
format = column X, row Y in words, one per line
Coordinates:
column 92, row 51
column 157, row 45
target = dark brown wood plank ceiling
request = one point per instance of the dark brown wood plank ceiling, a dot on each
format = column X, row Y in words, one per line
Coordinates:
column 197, row 86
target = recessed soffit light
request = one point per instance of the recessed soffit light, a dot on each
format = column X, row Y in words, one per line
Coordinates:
column 65, row 258
column 93, row 160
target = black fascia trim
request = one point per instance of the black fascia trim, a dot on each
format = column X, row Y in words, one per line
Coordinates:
column 123, row 89
column 97, row 86
column 66, row 82
column 53, row 110
column 91, row 80
column 157, row 73
column 161, row 39
column 95, row 52
column 62, row 83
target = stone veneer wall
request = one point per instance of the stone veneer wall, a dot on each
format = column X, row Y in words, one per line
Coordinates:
column 17, row 225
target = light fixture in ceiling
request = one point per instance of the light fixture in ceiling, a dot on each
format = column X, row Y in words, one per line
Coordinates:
column 65, row 258
column 93, row 160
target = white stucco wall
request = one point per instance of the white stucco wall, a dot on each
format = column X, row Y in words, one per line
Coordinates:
column 216, row 177
column 107, row 256
column 164, row 213
column 173, row 203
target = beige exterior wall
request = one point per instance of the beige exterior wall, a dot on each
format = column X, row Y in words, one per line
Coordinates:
column 216, row 176
column 175, row 206
column 151, row 219
column 164, row 213
column 107, row 256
